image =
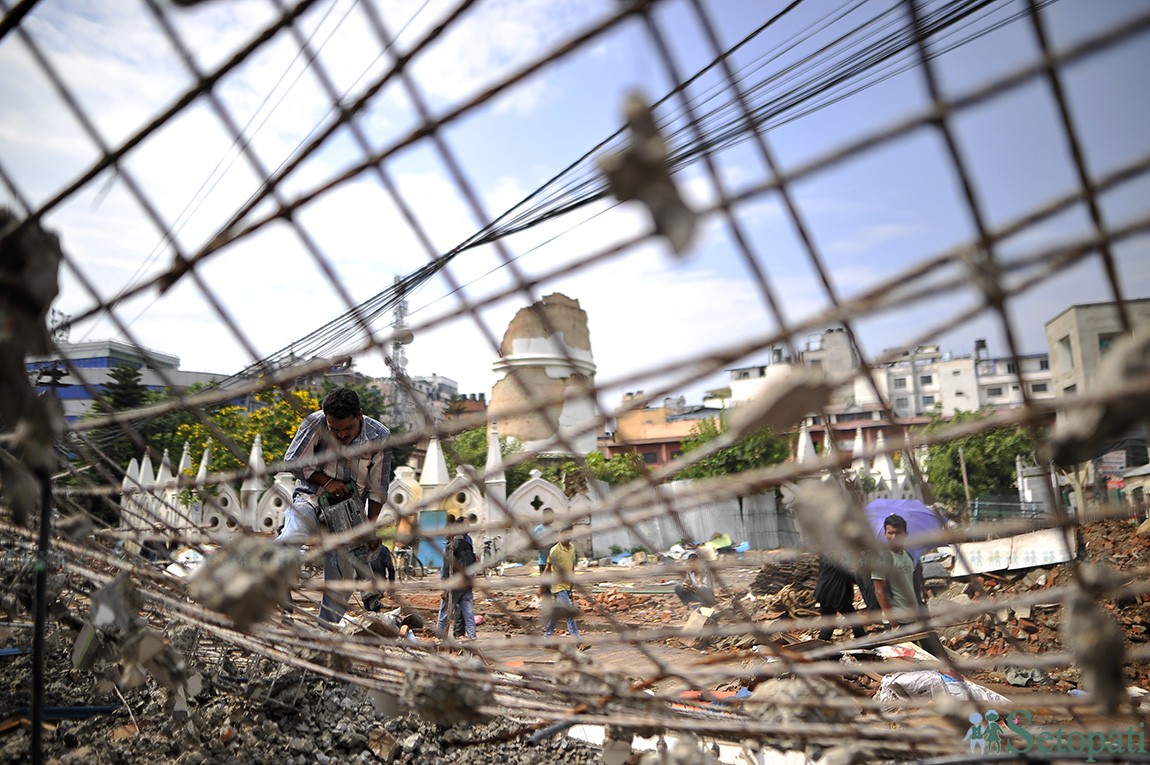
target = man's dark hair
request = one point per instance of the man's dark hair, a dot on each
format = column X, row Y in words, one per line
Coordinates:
column 342, row 403
column 895, row 520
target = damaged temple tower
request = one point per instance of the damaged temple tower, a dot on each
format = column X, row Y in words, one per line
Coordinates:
column 545, row 377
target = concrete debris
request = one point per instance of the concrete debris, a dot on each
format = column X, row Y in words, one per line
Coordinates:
column 699, row 624
column 783, row 404
column 684, row 750
column 1098, row 646
column 641, row 172
column 116, row 606
column 833, row 521
column 29, row 266
column 381, row 743
column 791, row 700
column 246, row 579
column 230, row 721
column 1082, row 431
column 446, row 700
column 117, row 644
column 1024, row 676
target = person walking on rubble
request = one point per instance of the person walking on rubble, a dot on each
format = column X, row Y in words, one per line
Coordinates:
column 893, row 573
column 539, row 532
column 561, row 565
column 457, row 604
column 338, row 452
column 835, row 594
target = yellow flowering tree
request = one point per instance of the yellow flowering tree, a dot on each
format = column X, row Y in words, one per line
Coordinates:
column 274, row 417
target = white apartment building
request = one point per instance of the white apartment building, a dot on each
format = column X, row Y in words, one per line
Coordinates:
column 915, row 382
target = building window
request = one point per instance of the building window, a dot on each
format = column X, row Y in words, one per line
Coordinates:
column 959, row 393
column 900, row 403
column 926, row 379
column 1011, row 368
column 927, row 401
column 1070, row 390
column 1044, row 364
column 900, row 383
column 956, row 373
column 1038, row 388
column 1105, row 340
column 1066, row 352
column 742, row 375
column 650, row 458
column 993, row 392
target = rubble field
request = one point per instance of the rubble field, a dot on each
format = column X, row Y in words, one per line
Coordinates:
column 248, row 707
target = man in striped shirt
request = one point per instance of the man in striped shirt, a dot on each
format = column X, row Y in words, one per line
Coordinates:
column 337, row 450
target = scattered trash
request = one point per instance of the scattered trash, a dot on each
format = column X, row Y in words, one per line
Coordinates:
column 898, row 688
column 1024, row 676
column 185, row 562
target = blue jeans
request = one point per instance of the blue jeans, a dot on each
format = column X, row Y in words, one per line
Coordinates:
column 463, row 601
column 562, row 598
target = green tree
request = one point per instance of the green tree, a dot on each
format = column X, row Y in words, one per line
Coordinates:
column 990, row 458
column 455, row 407
column 121, row 442
column 371, row 399
column 469, row 447
column 615, row 471
column 162, row 431
column 275, row 419
column 754, row 451
column 123, row 391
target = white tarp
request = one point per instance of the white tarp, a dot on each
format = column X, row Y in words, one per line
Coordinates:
column 1036, row 548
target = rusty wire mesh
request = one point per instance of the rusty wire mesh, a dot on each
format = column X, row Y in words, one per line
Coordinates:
column 719, row 127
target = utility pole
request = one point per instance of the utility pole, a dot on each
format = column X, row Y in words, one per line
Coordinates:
column 401, row 405
column 965, row 480
column 53, row 379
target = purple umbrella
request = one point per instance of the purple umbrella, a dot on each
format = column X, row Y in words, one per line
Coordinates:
column 920, row 519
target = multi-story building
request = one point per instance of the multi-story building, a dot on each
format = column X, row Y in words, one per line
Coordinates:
column 915, row 382
column 655, row 432
column 1078, row 339
column 81, row 370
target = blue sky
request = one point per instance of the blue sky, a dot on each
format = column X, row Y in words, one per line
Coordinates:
column 872, row 216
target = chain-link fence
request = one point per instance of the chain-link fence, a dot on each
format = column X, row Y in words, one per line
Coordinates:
column 905, row 174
